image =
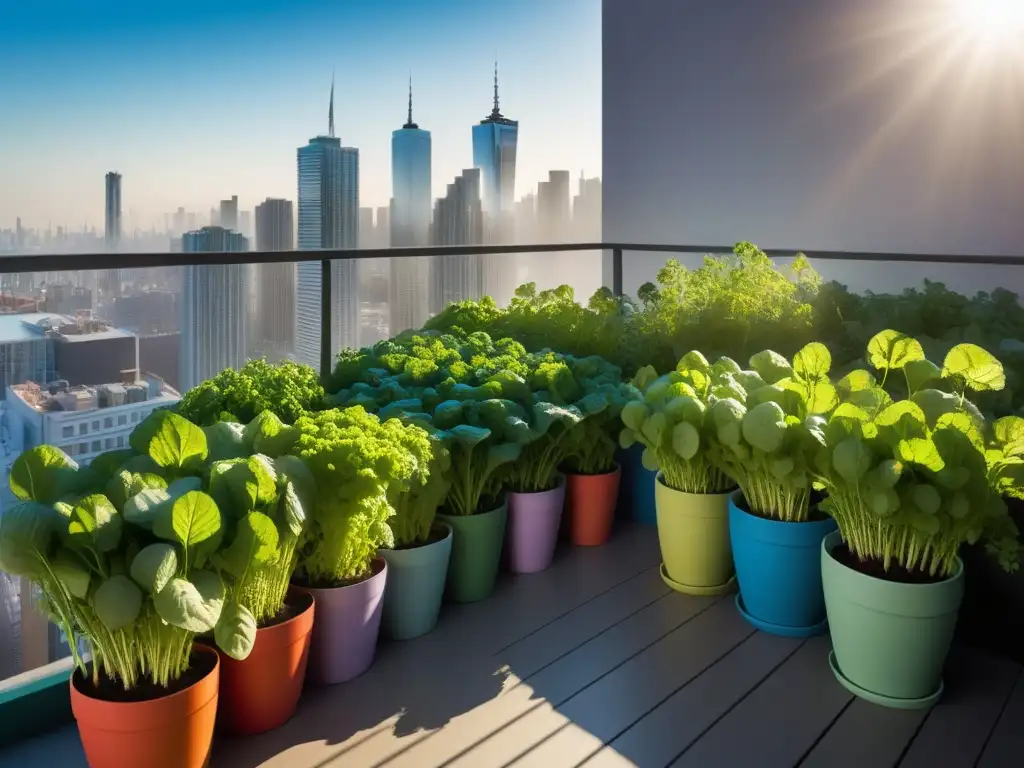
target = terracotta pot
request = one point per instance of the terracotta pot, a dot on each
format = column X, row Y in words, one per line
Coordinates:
column 172, row 731
column 347, row 624
column 262, row 692
column 592, row 501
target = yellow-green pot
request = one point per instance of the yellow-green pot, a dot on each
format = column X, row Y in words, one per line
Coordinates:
column 693, row 530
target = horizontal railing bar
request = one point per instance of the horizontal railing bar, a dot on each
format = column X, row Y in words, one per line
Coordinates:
column 68, row 262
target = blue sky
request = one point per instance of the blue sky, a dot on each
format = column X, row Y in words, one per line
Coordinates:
column 195, row 101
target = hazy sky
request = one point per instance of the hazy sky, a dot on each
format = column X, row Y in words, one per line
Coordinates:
column 193, row 101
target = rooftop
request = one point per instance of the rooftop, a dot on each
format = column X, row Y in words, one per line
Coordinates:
column 59, row 396
column 595, row 662
column 34, row 325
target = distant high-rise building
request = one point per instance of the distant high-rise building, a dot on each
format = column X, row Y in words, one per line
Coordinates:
column 275, row 302
column 409, row 224
column 110, row 280
column 366, row 233
column 458, row 220
column 495, row 140
column 553, row 211
column 586, row 210
column 229, row 213
column 328, row 175
column 213, row 308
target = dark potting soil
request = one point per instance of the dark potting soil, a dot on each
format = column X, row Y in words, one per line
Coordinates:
column 200, row 665
column 294, row 605
column 873, row 566
column 436, row 534
column 375, row 567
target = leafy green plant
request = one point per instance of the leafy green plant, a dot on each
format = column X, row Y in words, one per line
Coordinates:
column 130, row 553
column 667, row 416
column 911, row 479
column 285, row 389
column 360, row 465
column 759, row 424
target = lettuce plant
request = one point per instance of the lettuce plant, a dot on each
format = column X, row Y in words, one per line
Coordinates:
column 360, row 465
column 667, row 415
column 759, row 423
column 134, row 554
column 911, row 479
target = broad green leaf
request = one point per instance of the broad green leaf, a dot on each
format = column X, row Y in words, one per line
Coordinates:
column 977, row 367
column 291, row 510
column 117, row 602
column 921, row 374
column 654, row 429
column 294, row 469
column 266, row 424
column 143, row 508
column 95, row 524
column 72, row 573
column 684, row 408
column 685, row 440
column 42, row 474
column 891, row 350
column 927, row 498
column 926, row 524
column 193, row 605
column 872, row 400
column 242, row 485
column 192, row 521
column 693, row 360
column 172, row 441
column 254, row 545
column 813, row 361
column 235, row 632
column 27, row 531
column 109, row 462
column 281, row 442
column 965, row 425
column 468, row 435
column 851, row 459
column 920, row 451
column 904, row 411
column 959, row 506
column 771, row 366
column 154, row 566
column 501, row 454
column 1009, row 435
column 225, row 440
column 634, row 414
column 935, row 403
column 649, row 460
column 764, row 427
column 627, row 438
column 855, row 381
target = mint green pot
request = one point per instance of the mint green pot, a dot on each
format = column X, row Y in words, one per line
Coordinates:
column 889, row 640
column 415, row 587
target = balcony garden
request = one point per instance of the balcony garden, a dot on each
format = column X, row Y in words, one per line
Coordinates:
column 839, row 461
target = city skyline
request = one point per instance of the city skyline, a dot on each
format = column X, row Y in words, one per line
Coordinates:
column 224, row 143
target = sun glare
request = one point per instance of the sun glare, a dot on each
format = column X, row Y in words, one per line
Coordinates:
column 992, row 21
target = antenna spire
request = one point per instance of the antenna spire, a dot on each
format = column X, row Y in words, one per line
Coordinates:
column 496, row 110
column 408, row 122
column 330, row 109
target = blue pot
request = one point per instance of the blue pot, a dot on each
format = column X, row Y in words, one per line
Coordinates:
column 636, row 493
column 778, row 568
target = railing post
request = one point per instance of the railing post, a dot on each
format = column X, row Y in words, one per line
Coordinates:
column 326, row 352
column 617, row 271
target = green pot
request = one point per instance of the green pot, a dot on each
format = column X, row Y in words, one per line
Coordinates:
column 416, row 579
column 693, row 531
column 889, row 640
column 476, row 553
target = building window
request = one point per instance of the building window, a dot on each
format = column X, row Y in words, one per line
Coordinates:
column 68, row 431
column 108, row 422
column 120, row 441
column 135, row 416
column 122, row 420
column 96, row 426
column 83, row 447
column 83, row 428
column 97, row 446
column 109, row 443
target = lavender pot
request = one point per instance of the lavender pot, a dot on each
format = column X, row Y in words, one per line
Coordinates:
column 533, row 523
column 346, row 627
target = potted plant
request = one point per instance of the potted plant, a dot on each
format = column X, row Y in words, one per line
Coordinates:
column 264, row 500
column 126, row 562
column 638, row 480
column 908, row 483
column 760, row 435
column 691, row 494
column 358, row 464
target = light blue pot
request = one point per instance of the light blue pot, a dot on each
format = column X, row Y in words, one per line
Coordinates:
column 415, row 587
column 637, row 490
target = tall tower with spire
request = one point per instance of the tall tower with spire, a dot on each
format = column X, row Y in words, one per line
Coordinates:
column 495, row 139
column 410, row 222
column 328, row 182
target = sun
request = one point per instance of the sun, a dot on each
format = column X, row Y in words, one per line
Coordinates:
column 991, row 21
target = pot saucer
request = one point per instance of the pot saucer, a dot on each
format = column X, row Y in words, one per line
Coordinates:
column 686, row 589
column 780, row 629
column 877, row 698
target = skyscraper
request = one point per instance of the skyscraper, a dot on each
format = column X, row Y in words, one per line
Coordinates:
column 109, row 281
column 494, row 152
column 553, row 212
column 328, row 219
column 408, row 287
column 275, row 302
column 229, row 213
column 213, row 308
column 458, row 220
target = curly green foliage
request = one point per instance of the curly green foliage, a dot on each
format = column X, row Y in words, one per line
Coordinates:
column 416, row 508
column 286, row 389
column 911, row 479
column 360, row 465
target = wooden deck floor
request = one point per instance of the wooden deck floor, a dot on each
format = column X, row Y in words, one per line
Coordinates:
column 596, row 663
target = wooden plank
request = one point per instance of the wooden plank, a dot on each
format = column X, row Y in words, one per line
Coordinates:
column 1005, row 748
column 662, row 734
column 955, row 733
column 865, row 734
column 557, row 682
column 780, row 720
column 567, row 733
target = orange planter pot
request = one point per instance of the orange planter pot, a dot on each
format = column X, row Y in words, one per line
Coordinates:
column 592, row 500
column 174, row 731
column 262, row 692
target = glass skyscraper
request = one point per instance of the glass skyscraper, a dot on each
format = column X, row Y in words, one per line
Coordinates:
column 328, row 176
column 408, row 292
column 213, row 308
